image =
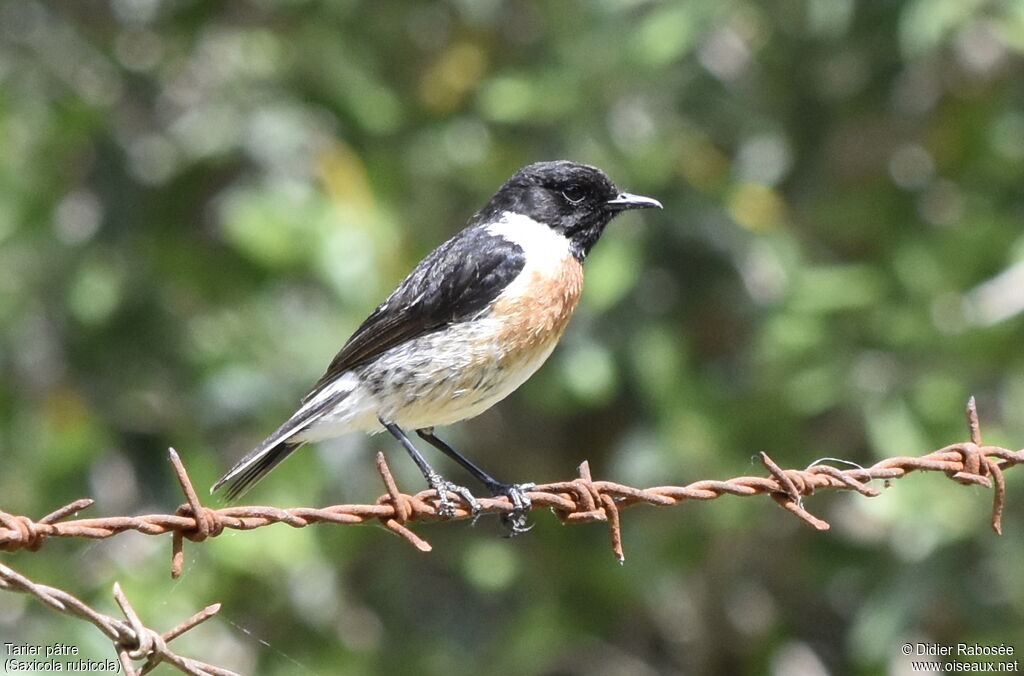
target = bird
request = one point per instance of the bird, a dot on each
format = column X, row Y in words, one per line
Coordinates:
column 470, row 324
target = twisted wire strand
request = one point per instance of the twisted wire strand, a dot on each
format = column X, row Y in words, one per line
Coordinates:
column 582, row 499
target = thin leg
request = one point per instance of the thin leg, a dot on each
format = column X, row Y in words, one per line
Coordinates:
column 427, row 434
column 517, row 519
column 440, row 485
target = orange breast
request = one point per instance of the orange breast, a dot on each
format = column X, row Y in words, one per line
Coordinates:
column 537, row 308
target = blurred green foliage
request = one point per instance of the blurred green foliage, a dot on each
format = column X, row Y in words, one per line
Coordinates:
column 200, row 200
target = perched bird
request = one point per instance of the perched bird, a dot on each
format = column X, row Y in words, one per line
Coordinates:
column 472, row 321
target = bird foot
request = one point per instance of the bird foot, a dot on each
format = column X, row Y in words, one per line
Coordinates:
column 445, row 507
column 516, row 521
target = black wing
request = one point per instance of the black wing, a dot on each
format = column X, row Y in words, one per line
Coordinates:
column 452, row 284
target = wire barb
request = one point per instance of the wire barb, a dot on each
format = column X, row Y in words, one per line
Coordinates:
column 133, row 641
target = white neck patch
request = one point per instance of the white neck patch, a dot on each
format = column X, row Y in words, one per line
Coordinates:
column 543, row 247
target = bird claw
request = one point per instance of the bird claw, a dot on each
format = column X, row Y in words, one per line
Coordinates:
column 445, row 506
column 516, row 521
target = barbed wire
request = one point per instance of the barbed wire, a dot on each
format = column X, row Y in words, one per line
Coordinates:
column 578, row 500
column 132, row 640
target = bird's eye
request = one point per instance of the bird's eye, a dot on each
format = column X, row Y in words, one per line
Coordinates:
column 574, row 194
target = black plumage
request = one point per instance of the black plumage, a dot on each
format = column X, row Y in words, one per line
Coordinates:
column 572, row 198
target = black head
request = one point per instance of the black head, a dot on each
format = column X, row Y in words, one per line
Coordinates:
column 574, row 199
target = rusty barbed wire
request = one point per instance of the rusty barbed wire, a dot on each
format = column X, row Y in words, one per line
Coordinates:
column 578, row 500
column 133, row 641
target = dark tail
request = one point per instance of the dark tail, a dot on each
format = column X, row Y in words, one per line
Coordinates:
column 278, row 446
column 254, row 467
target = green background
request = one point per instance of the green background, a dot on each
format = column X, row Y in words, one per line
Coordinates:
column 199, row 201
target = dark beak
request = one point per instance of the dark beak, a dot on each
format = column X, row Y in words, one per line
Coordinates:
column 627, row 200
